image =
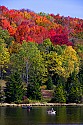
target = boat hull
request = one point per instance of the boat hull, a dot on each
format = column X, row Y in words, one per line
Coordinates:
column 51, row 112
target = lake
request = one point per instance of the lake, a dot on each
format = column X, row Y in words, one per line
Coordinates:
column 65, row 115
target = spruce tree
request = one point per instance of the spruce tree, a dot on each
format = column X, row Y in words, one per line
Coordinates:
column 74, row 89
column 34, row 91
column 14, row 88
column 49, row 83
column 59, row 94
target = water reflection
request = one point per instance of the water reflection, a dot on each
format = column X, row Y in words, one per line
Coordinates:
column 38, row 116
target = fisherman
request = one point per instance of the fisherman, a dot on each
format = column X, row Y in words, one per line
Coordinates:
column 52, row 109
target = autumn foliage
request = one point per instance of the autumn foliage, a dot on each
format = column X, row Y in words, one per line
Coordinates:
column 46, row 51
column 27, row 25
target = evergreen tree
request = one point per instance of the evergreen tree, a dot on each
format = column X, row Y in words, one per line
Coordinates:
column 14, row 88
column 2, row 95
column 34, row 91
column 74, row 89
column 60, row 94
column 80, row 75
column 49, row 83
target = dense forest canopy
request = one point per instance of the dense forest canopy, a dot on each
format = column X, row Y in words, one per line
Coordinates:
column 44, row 51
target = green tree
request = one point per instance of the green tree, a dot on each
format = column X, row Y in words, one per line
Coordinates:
column 63, row 63
column 14, row 88
column 49, row 83
column 80, row 75
column 46, row 47
column 29, row 61
column 2, row 94
column 4, row 35
column 34, row 91
column 74, row 89
column 59, row 94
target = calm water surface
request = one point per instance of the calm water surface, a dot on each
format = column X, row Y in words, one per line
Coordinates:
column 65, row 115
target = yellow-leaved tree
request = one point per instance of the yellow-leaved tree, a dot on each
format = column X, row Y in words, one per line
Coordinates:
column 62, row 61
column 68, row 63
column 4, row 56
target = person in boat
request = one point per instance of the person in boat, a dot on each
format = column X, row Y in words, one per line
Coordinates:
column 29, row 107
column 52, row 110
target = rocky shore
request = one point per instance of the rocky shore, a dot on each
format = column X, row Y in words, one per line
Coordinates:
column 39, row 104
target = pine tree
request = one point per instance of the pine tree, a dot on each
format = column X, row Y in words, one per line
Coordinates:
column 60, row 94
column 74, row 89
column 14, row 88
column 49, row 83
column 34, row 91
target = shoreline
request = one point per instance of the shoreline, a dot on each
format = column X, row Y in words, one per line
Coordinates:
column 39, row 104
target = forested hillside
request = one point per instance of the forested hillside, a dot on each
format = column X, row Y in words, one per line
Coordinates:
column 40, row 51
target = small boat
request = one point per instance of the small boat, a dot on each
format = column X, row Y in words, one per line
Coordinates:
column 26, row 107
column 51, row 111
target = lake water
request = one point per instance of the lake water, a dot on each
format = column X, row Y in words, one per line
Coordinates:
column 65, row 115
